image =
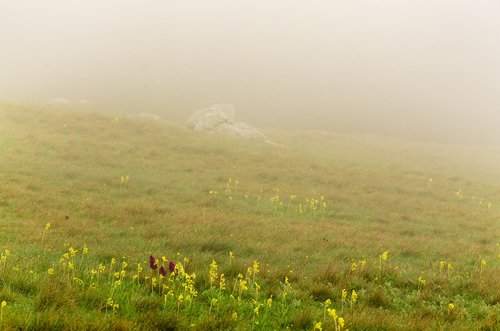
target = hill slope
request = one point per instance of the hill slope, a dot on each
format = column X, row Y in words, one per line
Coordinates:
column 319, row 209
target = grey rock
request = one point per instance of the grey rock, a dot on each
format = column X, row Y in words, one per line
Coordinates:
column 219, row 119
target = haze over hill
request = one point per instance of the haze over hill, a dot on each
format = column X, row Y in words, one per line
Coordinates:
column 421, row 69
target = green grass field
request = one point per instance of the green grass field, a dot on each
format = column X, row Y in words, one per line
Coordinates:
column 411, row 229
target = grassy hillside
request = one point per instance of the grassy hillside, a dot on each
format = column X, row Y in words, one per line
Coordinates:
column 298, row 222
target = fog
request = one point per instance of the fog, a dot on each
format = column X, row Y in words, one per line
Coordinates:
column 425, row 69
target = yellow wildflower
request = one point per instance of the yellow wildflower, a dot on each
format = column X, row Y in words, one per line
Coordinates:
column 332, row 313
column 72, row 251
column 344, row 295
column 213, row 272
column 256, row 267
column 354, row 296
column 222, row 282
column 442, row 264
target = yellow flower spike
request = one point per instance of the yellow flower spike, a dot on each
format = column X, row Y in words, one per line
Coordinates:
column 213, row 273
column 354, row 267
column 442, row 264
column 270, row 302
column 4, row 303
column 483, row 263
column 85, row 250
column 222, row 282
column 384, row 256
column 363, row 264
column 451, row 306
column 242, row 287
column 332, row 313
column 328, row 302
column 234, row 316
column 256, row 267
column 354, row 296
column 72, row 251
column 50, row 271
column 341, row 322
column 47, row 226
column 257, row 287
column 344, row 295
column 317, row 326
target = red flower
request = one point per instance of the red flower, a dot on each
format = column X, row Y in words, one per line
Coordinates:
column 171, row 267
column 152, row 263
column 163, row 272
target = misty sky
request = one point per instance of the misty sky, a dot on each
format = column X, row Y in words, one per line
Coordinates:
column 418, row 68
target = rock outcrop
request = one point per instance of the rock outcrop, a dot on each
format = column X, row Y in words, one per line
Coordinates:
column 219, row 119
